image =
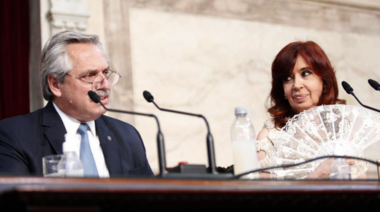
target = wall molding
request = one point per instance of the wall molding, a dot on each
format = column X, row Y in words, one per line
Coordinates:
column 68, row 14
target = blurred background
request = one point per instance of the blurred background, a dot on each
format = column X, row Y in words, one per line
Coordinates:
column 200, row 56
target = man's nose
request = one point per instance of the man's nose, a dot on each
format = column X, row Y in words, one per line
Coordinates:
column 105, row 83
column 101, row 82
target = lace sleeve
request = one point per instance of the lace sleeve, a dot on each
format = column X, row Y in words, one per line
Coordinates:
column 268, row 124
column 266, row 146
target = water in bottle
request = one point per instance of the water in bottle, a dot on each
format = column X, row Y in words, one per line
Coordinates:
column 244, row 144
column 339, row 168
column 70, row 164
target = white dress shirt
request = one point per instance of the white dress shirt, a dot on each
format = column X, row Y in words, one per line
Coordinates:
column 72, row 126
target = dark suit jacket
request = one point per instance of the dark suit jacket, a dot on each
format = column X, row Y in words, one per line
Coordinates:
column 24, row 140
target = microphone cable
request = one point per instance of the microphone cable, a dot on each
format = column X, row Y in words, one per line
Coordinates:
column 304, row 162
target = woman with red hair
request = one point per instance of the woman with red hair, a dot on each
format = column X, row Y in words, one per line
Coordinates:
column 302, row 78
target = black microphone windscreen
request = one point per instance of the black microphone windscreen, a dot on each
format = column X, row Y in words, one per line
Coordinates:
column 94, row 96
column 347, row 87
column 375, row 85
column 148, row 97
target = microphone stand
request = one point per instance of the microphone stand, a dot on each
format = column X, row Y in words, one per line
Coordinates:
column 368, row 107
column 350, row 90
column 195, row 171
column 160, row 137
column 209, row 138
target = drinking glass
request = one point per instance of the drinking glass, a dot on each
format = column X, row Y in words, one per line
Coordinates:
column 50, row 166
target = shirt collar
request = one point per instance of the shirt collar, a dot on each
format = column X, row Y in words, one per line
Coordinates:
column 72, row 124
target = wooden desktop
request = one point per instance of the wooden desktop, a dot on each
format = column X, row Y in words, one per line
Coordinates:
column 85, row 194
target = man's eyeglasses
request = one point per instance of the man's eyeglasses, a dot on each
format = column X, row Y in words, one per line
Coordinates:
column 97, row 80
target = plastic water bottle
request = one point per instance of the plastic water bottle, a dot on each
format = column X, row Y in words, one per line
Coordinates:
column 340, row 170
column 70, row 164
column 244, row 144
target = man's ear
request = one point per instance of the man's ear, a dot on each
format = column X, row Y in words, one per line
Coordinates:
column 54, row 86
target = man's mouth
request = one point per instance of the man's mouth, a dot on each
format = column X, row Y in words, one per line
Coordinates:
column 103, row 94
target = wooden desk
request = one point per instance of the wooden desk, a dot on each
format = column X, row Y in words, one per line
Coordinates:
column 65, row 194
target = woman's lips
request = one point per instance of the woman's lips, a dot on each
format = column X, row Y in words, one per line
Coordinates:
column 300, row 97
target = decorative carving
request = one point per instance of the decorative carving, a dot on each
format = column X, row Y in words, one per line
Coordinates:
column 68, row 14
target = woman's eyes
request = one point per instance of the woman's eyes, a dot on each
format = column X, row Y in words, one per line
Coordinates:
column 303, row 74
column 306, row 73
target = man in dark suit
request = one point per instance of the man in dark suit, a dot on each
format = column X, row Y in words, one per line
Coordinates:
column 72, row 63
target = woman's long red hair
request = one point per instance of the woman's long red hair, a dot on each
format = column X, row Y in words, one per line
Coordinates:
column 282, row 67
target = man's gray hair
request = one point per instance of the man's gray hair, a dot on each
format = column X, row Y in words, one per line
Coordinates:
column 56, row 62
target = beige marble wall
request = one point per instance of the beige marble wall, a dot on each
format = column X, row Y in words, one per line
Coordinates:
column 208, row 56
column 209, row 65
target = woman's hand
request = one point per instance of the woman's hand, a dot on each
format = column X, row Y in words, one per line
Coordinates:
column 265, row 175
column 323, row 170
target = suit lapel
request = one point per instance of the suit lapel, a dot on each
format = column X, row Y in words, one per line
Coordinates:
column 110, row 148
column 55, row 132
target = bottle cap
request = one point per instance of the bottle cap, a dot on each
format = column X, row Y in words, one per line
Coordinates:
column 241, row 110
column 69, row 144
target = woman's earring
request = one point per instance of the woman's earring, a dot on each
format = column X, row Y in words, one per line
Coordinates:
column 285, row 97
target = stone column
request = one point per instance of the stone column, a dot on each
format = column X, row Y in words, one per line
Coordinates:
column 116, row 24
column 36, row 99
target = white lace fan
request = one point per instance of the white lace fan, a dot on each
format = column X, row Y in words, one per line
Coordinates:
column 324, row 130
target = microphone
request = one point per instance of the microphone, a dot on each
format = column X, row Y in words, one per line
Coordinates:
column 350, row 91
column 95, row 98
column 210, row 141
column 160, row 137
column 375, row 85
column 347, row 87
